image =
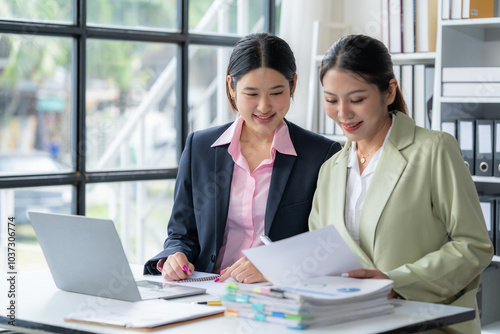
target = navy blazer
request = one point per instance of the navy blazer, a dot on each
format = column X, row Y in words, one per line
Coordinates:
column 203, row 186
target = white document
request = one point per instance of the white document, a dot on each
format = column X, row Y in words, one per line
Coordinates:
column 331, row 289
column 145, row 314
column 290, row 261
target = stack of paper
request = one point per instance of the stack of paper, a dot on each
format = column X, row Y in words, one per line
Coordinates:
column 319, row 301
column 308, row 288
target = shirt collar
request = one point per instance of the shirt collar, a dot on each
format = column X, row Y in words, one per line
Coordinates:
column 281, row 141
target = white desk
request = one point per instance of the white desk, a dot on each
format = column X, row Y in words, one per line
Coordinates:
column 41, row 306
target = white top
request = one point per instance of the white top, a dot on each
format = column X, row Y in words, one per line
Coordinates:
column 357, row 185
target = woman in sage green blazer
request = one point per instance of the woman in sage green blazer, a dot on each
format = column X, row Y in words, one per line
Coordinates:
column 400, row 195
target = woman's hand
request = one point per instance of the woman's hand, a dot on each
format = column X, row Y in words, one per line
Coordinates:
column 371, row 273
column 367, row 273
column 177, row 267
column 242, row 271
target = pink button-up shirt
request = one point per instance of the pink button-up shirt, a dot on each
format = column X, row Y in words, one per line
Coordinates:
column 249, row 190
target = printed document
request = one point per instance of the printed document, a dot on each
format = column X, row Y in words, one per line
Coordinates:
column 290, row 261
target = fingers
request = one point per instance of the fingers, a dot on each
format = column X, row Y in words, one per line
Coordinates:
column 225, row 274
column 242, row 271
column 366, row 273
column 177, row 267
column 359, row 273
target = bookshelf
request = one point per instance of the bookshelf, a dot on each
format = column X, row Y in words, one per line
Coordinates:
column 467, row 43
column 409, row 30
column 471, row 43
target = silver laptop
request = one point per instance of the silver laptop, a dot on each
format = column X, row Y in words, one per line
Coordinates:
column 85, row 255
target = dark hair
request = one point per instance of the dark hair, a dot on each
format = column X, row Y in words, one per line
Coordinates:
column 260, row 50
column 367, row 57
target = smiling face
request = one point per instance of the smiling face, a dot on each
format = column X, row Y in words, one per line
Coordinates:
column 262, row 98
column 357, row 106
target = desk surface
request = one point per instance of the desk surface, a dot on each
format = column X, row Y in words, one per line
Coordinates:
column 41, row 306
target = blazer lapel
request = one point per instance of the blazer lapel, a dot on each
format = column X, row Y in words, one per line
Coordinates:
column 387, row 174
column 223, row 175
column 283, row 165
column 337, row 186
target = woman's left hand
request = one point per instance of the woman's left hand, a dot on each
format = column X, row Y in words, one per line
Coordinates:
column 242, row 271
column 371, row 273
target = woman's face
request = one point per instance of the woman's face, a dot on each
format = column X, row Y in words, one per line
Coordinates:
column 262, row 97
column 357, row 106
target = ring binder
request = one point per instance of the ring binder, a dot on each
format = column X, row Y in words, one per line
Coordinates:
column 484, row 147
column 465, row 135
column 483, row 167
column 496, row 151
column 488, row 208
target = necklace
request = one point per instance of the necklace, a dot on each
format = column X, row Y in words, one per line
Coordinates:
column 364, row 157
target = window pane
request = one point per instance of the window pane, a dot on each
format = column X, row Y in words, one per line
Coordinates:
column 130, row 105
column 37, row 10
column 133, row 14
column 226, row 17
column 16, row 203
column 278, row 17
column 140, row 210
column 35, row 104
column 208, row 104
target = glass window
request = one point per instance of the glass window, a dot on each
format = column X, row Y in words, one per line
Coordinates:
column 16, row 203
column 208, row 104
column 130, row 105
column 129, row 115
column 226, row 17
column 140, row 210
column 134, row 14
column 37, row 10
column 278, row 17
column 35, row 104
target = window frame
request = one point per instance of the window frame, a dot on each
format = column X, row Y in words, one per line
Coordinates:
column 80, row 32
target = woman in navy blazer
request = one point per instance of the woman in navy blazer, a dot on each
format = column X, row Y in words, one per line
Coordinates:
column 203, row 186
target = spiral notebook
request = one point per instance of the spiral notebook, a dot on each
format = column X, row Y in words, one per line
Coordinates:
column 198, row 276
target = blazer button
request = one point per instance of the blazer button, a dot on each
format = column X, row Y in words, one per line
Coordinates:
column 212, row 258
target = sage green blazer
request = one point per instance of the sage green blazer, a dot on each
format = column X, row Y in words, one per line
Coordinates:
column 421, row 222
